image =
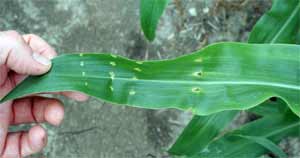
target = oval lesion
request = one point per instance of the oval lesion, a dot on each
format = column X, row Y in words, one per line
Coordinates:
column 198, row 74
column 112, row 63
column 196, row 90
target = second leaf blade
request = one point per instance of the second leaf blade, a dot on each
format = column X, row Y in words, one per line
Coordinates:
column 150, row 12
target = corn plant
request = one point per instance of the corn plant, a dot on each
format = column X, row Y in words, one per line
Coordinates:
column 151, row 11
column 214, row 83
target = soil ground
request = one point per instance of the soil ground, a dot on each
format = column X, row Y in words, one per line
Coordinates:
column 98, row 129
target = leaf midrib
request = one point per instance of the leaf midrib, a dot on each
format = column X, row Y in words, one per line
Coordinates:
column 258, row 83
column 286, row 24
column 270, row 134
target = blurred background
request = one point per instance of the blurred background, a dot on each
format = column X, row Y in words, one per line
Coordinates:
column 99, row 129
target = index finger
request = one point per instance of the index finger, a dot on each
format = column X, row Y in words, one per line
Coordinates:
column 40, row 46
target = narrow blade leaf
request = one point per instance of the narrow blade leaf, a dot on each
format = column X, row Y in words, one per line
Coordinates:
column 260, row 34
column 150, row 12
column 273, row 128
column 279, row 25
column 266, row 144
column 225, row 76
column 200, row 132
column 270, row 108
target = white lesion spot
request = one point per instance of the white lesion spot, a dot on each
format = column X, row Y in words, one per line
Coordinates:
column 82, row 63
column 112, row 63
column 137, row 69
column 81, row 54
column 134, row 78
column 112, row 75
column 111, row 88
column 139, row 62
column 199, row 60
column 114, row 56
column 132, row 92
column 83, row 73
column 196, row 90
column 86, row 83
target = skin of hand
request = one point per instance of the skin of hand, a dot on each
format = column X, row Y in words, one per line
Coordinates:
column 22, row 55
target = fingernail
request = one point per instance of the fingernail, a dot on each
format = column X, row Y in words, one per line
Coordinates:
column 41, row 59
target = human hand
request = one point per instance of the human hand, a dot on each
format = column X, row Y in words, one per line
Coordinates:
column 21, row 56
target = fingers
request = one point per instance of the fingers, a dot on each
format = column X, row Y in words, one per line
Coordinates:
column 5, row 111
column 22, row 144
column 23, row 111
column 72, row 95
column 37, row 109
column 6, row 87
column 3, row 74
column 76, row 96
column 18, row 56
column 40, row 46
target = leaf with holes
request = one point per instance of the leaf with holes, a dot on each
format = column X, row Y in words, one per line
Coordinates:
column 224, row 76
column 150, row 12
column 197, row 135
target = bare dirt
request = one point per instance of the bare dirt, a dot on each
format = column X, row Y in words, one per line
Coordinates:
column 98, row 129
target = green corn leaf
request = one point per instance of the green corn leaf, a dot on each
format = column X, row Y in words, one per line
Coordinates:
column 189, row 144
column 279, row 25
column 273, row 128
column 200, row 131
column 225, row 76
column 150, row 12
column 266, row 144
column 298, row 36
column 270, row 108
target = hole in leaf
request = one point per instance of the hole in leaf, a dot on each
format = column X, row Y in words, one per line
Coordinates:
column 199, row 73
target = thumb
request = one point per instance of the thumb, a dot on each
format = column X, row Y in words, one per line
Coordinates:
column 18, row 56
